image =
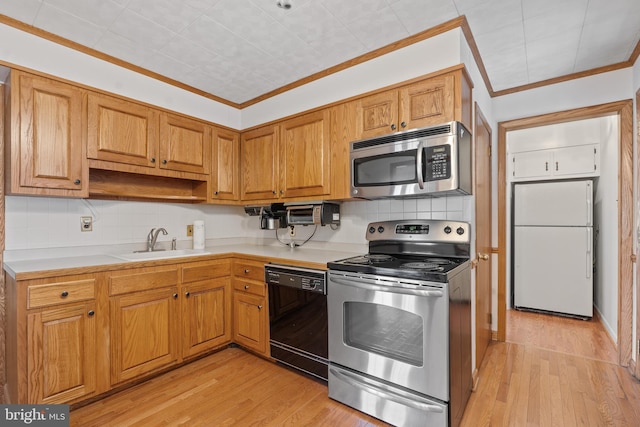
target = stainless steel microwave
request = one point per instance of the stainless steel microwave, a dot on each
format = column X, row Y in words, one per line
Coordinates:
column 432, row 161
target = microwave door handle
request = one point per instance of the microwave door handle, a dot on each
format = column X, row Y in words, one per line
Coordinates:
column 419, row 156
column 371, row 286
column 413, row 402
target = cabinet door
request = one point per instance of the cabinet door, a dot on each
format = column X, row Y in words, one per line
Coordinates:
column 61, row 353
column 579, row 160
column 206, row 315
column 377, row 114
column 185, row 144
column 427, row 103
column 250, row 321
column 259, row 163
column 121, row 131
column 144, row 332
column 531, row 164
column 52, row 149
column 304, row 155
column 225, row 184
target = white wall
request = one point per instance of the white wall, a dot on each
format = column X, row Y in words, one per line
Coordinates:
column 42, row 222
column 30, row 51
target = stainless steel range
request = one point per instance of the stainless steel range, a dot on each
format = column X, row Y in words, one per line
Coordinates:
column 400, row 324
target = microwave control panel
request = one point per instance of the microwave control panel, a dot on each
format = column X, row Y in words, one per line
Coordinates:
column 437, row 162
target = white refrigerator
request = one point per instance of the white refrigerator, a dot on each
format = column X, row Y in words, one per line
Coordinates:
column 553, row 247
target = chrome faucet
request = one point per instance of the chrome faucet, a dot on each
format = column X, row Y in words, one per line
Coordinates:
column 152, row 237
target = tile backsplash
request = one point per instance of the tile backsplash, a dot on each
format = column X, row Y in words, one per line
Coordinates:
column 41, row 222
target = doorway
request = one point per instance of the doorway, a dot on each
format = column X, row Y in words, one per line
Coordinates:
column 624, row 109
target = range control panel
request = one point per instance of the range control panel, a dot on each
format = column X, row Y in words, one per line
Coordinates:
column 420, row 230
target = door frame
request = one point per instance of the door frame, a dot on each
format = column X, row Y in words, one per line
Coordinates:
column 624, row 109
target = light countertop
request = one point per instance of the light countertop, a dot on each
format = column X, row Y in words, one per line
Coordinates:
column 35, row 263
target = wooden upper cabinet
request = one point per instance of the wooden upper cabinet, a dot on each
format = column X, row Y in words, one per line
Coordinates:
column 259, row 150
column 433, row 101
column 185, row 144
column 225, row 182
column 305, row 152
column 427, row 103
column 46, row 147
column 121, row 131
column 377, row 114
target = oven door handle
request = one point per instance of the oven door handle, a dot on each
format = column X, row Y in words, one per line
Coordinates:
column 372, row 286
column 419, row 156
column 412, row 402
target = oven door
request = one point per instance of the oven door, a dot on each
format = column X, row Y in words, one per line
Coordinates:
column 399, row 334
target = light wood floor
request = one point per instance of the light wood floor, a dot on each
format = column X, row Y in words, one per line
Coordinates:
column 551, row 372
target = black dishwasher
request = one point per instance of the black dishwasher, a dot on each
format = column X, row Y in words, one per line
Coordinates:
column 298, row 318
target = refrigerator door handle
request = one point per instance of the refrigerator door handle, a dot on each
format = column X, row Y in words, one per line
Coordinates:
column 589, row 251
column 589, row 205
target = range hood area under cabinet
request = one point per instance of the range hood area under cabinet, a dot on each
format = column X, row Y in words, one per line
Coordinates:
column 67, row 140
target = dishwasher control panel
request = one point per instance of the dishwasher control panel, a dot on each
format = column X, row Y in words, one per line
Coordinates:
column 307, row 279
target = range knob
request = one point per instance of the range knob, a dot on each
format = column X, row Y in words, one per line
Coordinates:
column 372, row 230
column 447, row 229
column 460, row 231
column 380, row 229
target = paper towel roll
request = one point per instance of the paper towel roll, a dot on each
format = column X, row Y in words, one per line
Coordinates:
column 198, row 235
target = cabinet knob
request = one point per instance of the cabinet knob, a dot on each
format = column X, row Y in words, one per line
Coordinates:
column 64, row 294
column 215, row 193
column 281, row 191
column 77, row 182
column 175, row 296
column 91, row 313
column 260, row 307
column 274, row 192
column 164, row 162
column 246, row 286
column 187, row 294
column 153, row 160
column 403, row 124
column 393, row 126
column 246, row 271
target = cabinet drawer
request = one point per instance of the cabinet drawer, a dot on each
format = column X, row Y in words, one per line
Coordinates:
column 205, row 270
column 253, row 270
column 62, row 292
column 249, row 286
column 141, row 281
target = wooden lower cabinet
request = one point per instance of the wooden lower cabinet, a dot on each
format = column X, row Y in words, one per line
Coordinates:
column 250, row 306
column 61, row 353
column 144, row 332
column 206, row 315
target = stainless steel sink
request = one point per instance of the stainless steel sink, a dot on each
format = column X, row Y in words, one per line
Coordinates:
column 143, row 256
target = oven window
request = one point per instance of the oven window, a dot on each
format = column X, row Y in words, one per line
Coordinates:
column 386, row 169
column 384, row 330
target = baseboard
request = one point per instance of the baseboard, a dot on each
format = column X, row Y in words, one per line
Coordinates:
column 475, row 378
column 610, row 332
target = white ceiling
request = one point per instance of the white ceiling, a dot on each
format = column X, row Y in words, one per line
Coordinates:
column 241, row 49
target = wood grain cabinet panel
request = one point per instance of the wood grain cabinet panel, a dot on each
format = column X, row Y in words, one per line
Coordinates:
column 427, row 103
column 121, row 131
column 46, row 145
column 377, row 114
column 305, row 147
column 61, row 353
column 225, row 177
column 250, row 319
column 206, row 315
column 144, row 332
column 185, row 144
column 259, row 152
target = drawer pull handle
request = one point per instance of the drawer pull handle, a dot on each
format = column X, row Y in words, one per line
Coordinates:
column 246, row 286
column 175, row 296
column 64, row 294
column 187, row 294
column 91, row 313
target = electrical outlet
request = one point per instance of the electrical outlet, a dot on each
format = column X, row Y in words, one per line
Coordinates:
column 189, row 230
column 292, row 231
column 86, row 223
